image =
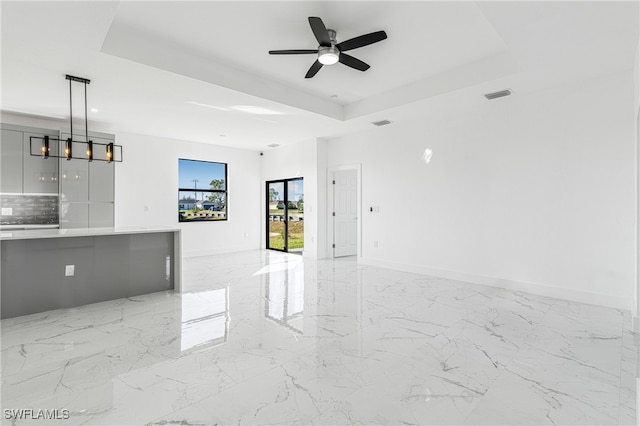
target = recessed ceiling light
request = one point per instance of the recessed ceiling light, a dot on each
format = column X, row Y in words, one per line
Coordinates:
column 333, row 96
column 273, row 145
column 251, row 109
column 222, row 135
column 208, row 106
column 94, row 109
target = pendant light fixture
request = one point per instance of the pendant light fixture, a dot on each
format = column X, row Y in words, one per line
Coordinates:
column 113, row 152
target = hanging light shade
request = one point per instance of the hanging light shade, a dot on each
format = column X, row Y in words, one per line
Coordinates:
column 90, row 151
column 109, row 152
column 45, row 147
column 68, row 149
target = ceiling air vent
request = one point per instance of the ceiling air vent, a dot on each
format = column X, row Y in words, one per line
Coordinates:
column 499, row 94
column 381, row 123
column 273, row 145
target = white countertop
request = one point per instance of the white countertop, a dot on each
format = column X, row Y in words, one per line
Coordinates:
column 30, row 234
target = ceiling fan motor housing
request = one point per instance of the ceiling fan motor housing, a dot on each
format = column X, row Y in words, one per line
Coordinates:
column 332, row 36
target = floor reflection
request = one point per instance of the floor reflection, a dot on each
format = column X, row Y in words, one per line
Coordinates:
column 284, row 293
column 205, row 318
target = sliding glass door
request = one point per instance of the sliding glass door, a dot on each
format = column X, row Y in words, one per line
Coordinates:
column 285, row 215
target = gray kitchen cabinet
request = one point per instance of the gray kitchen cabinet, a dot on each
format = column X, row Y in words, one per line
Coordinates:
column 11, row 161
column 102, row 182
column 100, row 215
column 87, row 188
column 74, row 215
column 40, row 175
column 74, row 180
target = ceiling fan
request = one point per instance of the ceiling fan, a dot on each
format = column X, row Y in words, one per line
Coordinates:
column 330, row 51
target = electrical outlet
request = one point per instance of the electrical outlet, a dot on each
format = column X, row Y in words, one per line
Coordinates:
column 69, row 270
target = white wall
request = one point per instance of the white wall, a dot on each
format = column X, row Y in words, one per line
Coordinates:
column 534, row 192
column 305, row 159
column 148, row 176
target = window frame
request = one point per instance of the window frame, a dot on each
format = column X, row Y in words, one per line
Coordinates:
column 224, row 191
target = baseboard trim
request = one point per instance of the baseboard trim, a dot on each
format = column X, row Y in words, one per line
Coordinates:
column 213, row 252
column 526, row 287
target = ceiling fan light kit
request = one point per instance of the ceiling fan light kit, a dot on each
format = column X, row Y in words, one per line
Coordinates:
column 328, row 55
column 329, row 51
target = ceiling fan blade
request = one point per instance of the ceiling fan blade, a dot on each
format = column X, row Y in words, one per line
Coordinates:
column 320, row 31
column 292, row 52
column 361, row 41
column 352, row 62
column 314, row 69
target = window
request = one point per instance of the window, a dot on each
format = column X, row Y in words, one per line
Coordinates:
column 202, row 191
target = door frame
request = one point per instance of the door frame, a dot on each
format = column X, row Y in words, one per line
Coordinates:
column 285, row 196
column 636, row 308
column 330, row 206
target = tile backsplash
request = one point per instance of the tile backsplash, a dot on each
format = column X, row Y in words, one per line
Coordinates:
column 29, row 209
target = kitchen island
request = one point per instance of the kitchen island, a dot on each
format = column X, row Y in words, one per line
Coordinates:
column 44, row 269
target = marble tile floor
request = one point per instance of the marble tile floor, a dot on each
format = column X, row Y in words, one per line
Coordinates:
column 269, row 338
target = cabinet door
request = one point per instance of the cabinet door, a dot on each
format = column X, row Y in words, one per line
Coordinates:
column 40, row 174
column 102, row 179
column 11, row 161
column 100, row 215
column 74, row 178
column 74, row 215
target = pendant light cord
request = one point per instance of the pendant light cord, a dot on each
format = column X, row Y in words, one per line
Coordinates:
column 70, row 112
column 86, row 116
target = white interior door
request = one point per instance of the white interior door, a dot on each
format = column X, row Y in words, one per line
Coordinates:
column 345, row 217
